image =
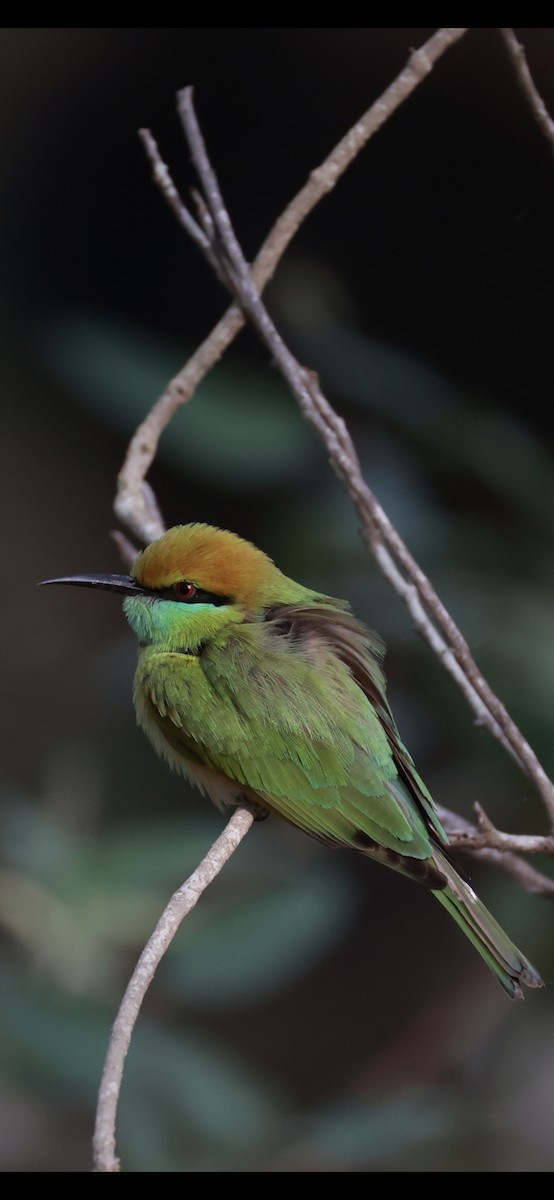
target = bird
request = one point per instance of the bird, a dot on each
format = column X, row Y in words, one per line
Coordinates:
column 267, row 694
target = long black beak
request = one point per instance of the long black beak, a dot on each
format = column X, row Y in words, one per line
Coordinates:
column 110, row 583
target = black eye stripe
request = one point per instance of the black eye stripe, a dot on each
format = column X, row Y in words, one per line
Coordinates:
column 203, row 597
column 199, row 596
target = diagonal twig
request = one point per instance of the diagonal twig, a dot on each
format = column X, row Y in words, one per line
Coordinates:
column 527, row 85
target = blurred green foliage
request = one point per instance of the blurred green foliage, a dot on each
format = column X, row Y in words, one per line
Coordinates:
column 241, row 432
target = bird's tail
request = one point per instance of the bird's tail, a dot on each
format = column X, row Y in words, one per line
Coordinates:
column 505, row 961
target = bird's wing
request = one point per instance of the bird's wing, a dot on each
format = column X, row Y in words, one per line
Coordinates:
column 362, row 651
column 285, row 719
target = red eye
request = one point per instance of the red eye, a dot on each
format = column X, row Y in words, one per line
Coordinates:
column 184, row 590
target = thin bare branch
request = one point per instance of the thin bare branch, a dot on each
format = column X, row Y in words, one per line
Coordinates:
column 130, row 505
column 127, row 550
column 525, row 80
column 486, row 834
column 460, row 832
column 162, row 177
column 494, row 839
column 527, row 876
column 181, row 903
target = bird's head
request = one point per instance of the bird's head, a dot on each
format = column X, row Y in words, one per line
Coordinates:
column 196, row 575
column 214, row 564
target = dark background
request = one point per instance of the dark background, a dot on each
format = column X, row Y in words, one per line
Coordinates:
column 316, row 1013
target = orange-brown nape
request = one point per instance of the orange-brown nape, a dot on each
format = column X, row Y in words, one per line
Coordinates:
column 216, row 561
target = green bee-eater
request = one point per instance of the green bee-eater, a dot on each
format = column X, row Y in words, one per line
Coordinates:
column 265, row 693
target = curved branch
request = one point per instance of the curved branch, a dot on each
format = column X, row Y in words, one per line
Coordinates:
column 181, row 903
